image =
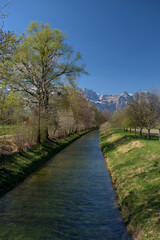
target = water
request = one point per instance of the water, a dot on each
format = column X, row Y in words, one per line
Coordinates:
column 71, row 197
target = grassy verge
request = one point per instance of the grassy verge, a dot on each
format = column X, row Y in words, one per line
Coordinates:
column 134, row 166
column 15, row 168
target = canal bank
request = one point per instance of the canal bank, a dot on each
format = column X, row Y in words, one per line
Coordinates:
column 16, row 167
column 71, row 197
column 133, row 163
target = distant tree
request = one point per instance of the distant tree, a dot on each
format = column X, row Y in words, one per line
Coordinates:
column 136, row 111
column 74, row 101
column 107, row 115
column 151, row 111
column 143, row 111
column 131, row 112
column 126, row 122
column 85, row 115
column 129, row 122
column 118, row 118
column 98, row 117
column 158, row 125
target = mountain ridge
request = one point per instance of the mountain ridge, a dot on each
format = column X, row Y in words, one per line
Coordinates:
column 111, row 102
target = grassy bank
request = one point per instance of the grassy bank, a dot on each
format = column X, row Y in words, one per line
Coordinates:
column 134, row 165
column 15, row 168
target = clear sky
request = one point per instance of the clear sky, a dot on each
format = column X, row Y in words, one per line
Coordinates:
column 119, row 40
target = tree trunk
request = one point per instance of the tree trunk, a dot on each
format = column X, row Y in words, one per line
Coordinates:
column 140, row 132
column 39, row 125
column 148, row 136
column 130, row 130
column 65, row 133
column 135, row 131
column 54, row 133
column 159, row 134
column 46, row 108
column 46, row 132
column 32, row 134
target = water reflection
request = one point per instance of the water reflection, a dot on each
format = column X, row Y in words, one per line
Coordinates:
column 71, row 197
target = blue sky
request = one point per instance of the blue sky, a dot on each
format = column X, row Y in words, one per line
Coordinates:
column 119, row 40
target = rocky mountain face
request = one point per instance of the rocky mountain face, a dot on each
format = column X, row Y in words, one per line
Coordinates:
column 107, row 102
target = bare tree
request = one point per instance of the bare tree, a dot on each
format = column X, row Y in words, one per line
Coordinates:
column 151, row 111
column 3, row 12
column 143, row 111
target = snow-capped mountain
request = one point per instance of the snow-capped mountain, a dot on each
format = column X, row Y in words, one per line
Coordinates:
column 107, row 102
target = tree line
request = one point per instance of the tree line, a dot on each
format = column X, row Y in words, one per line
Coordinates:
column 38, row 79
column 143, row 111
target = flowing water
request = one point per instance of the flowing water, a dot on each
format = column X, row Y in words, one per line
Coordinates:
column 71, row 197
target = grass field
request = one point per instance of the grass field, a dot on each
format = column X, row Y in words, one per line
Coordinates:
column 134, row 165
column 16, row 167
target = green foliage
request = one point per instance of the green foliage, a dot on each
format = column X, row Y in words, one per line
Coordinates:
column 43, row 63
column 84, row 113
column 8, row 47
column 38, row 74
column 43, row 58
column 118, row 118
column 7, row 129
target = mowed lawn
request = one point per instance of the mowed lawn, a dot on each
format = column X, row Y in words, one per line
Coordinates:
column 134, row 165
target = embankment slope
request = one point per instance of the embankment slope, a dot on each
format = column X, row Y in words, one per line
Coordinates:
column 134, row 166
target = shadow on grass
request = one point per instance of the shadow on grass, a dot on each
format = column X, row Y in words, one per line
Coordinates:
column 52, row 140
column 16, row 167
column 148, row 207
column 123, row 140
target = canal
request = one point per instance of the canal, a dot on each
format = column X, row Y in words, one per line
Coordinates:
column 70, row 197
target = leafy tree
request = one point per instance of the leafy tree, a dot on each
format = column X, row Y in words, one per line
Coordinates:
column 8, row 46
column 73, row 100
column 118, row 118
column 131, row 113
column 85, row 115
column 98, row 117
column 41, row 63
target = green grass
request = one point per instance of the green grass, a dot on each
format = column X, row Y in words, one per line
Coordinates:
column 134, row 166
column 16, row 167
column 7, row 129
